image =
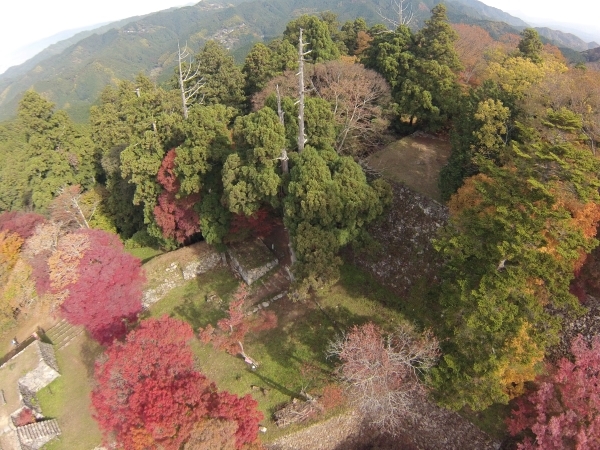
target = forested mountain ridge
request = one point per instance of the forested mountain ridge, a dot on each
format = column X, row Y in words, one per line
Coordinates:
column 74, row 77
column 59, row 46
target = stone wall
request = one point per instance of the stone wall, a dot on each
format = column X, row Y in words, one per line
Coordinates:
column 251, row 259
column 173, row 269
column 404, row 254
column 46, row 352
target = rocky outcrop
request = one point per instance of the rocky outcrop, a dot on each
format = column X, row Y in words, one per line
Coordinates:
column 44, row 374
column 175, row 268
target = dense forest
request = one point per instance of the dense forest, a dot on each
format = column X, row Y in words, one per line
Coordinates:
column 219, row 152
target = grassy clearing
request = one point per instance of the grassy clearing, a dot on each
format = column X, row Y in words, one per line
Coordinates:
column 490, row 420
column 415, row 161
column 68, row 397
column 144, row 253
column 291, row 356
column 188, row 302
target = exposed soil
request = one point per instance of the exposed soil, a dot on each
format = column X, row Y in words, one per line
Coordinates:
column 587, row 325
column 37, row 315
column 415, row 160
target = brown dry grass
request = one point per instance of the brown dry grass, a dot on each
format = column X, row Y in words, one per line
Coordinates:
column 415, row 161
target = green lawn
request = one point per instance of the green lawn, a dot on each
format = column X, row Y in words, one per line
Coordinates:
column 68, row 397
column 144, row 253
column 291, row 356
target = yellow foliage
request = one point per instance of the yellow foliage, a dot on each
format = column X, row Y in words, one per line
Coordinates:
column 346, row 59
column 19, row 289
column 10, row 246
column 517, row 366
column 517, row 75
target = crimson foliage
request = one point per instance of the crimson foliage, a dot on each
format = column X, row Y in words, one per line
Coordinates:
column 20, row 222
column 260, row 224
column 149, row 394
column 108, row 290
column 175, row 215
column 232, row 330
column 564, row 411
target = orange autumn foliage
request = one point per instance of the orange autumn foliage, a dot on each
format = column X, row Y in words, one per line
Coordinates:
column 10, row 246
column 468, row 196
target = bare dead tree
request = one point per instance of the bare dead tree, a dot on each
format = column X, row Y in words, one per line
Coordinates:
column 301, row 90
column 69, row 210
column 251, row 363
column 284, row 157
column 357, row 95
column 285, row 169
column 383, row 374
column 189, row 83
column 402, row 13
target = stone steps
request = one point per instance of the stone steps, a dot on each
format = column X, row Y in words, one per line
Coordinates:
column 63, row 333
column 46, row 429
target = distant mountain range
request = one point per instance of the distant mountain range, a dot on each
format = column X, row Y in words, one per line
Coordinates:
column 72, row 72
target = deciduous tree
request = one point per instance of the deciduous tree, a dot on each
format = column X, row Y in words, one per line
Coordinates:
column 105, row 292
column 383, row 373
column 149, row 393
column 563, row 410
column 19, row 222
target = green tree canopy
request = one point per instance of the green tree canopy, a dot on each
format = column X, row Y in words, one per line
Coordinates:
column 317, row 34
column 57, row 153
column 223, row 80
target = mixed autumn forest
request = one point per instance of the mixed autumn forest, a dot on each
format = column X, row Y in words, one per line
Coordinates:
column 281, row 146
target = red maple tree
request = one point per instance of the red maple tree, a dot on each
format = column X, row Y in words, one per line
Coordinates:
column 175, row 215
column 564, row 410
column 107, row 292
column 233, row 329
column 149, row 395
column 260, row 224
column 21, row 223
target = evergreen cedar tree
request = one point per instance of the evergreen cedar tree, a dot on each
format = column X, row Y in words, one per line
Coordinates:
column 148, row 393
column 564, row 409
column 106, row 292
column 56, row 154
column 422, row 69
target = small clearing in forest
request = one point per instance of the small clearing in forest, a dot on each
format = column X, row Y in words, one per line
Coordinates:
column 415, row 160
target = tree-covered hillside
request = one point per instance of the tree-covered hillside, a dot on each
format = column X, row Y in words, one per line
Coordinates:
column 74, row 77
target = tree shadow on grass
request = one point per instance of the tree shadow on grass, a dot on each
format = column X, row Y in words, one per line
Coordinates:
column 89, row 353
column 274, row 384
column 301, row 344
column 199, row 313
column 420, row 305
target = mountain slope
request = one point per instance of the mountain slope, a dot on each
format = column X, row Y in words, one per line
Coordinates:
column 72, row 73
column 490, row 13
column 568, row 40
column 58, row 47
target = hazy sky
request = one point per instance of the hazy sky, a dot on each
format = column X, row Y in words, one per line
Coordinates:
column 583, row 12
column 23, row 22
